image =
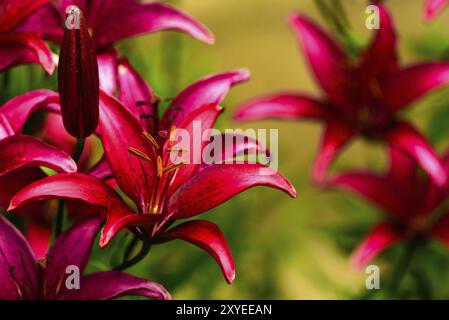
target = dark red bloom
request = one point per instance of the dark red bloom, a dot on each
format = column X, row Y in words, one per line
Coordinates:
column 363, row 97
column 137, row 147
column 78, row 78
column 410, row 200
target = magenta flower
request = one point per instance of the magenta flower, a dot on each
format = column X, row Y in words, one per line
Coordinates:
column 138, row 149
column 20, row 159
column 432, row 8
column 111, row 21
column 22, row 277
column 19, row 46
column 410, row 200
column 363, row 97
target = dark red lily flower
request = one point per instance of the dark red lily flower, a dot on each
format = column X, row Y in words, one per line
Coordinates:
column 137, row 147
column 22, row 277
column 20, row 159
column 363, row 97
column 432, row 8
column 111, row 21
column 22, row 47
column 78, row 78
column 410, row 200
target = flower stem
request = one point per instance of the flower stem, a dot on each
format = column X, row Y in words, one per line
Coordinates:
column 401, row 267
column 79, row 147
column 146, row 247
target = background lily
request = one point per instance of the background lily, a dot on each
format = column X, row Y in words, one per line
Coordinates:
column 18, row 46
column 432, row 8
column 20, row 159
column 363, row 97
column 162, row 192
column 111, row 21
column 415, row 207
column 25, row 278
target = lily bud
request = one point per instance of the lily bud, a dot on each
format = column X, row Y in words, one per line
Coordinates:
column 78, row 77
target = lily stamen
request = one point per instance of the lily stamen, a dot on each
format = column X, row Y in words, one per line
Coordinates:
column 172, row 167
column 150, row 139
column 160, row 169
column 139, row 154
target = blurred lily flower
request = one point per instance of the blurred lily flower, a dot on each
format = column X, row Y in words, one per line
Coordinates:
column 412, row 202
column 78, row 77
column 363, row 97
column 24, row 278
column 20, row 159
column 137, row 147
column 432, row 8
column 22, row 46
column 110, row 21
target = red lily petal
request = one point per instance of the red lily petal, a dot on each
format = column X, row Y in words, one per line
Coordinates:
column 68, row 186
column 208, row 237
column 107, row 70
column 136, row 94
column 282, row 106
column 19, row 109
column 24, row 151
column 217, row 183
column 101, row 170
column 12, row 12
column 209, row 90
column 408, row 139
column 17, row 49
column 73, row 247
column 113, row 284
column 336, row 136
column 381, row 56
column 384, row 235
column 5, row 127
column 127, row 18
column 18, row 271
column 46, row 22
column 327, row 60
column 433, row 7
column 39, row 235
column 410, row 84
column 121, row 216
column 206, row 116
column 375, row 188
column 120, row 130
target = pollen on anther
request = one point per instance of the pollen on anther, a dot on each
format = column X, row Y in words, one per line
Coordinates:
column 150, row 139
column 160, row 169
column 172, row 167
column 139, row 154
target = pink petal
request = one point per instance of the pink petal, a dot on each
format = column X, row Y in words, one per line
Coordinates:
column 208, row 237
column 336, row 136
column 282, row 106
column 127, row 18
column 327, row 60
column 209, row 90
column 384, row 235
column 19, row 109
column 68, row 186
column 136, row 94
column 107, row 69
column 375, row 188
column 17, row 49
column 218, row 183
column 408, row 139
column 39, row 235
column 113, row 284
column 25, row 151
column 434, row 7
column 101, row 170
column 18, row 271
column 381, row 56
column 408, row 85
column 73, row 247
column 13, row 12
column 5, row 127
column 120, row 130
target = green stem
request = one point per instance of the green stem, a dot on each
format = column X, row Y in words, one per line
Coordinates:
column 79, row 147
column 146, row 247
column 401, row 267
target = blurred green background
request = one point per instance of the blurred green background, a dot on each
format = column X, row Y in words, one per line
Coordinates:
column 283, row 248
